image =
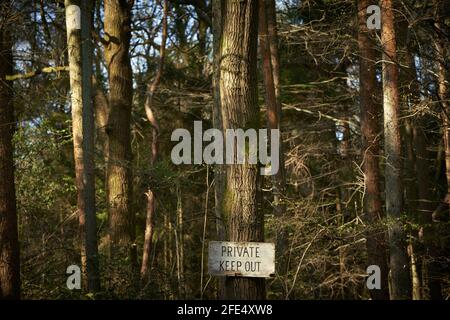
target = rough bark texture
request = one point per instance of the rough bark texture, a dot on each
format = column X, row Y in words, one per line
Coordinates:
column 399, row 264
column 80, row 65
column 101, row 110
column 370, row 112
column 9, row 243
column 119, row 174
column 239, row 105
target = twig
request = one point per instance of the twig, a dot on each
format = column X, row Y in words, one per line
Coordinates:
column 35, row 73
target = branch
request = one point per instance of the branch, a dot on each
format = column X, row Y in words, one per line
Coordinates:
column 35, row 73
column 201, row 9
column 318, row 114
column 99, row 38
column 154, row 85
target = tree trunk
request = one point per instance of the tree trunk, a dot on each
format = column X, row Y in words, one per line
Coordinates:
column 180, row 219
column 149, row 229
column 219, row 186
column 119, row 174
column 219, row 172
column 442, row 58
column 267, row 49
column 9, row 243
column 399, row 264
column 202, row 36
column 373, row 211
column 80, row 65
column 424, row 202
column 239, row 105
column 442, row 95
column 149, row 225
column 272, row 34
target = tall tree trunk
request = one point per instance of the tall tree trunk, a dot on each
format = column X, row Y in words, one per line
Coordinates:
column 80, row 64
column 413, row 152
column 119, row 173
column 154, row 146
column 423, row 201
column 272, row 34
column 442, row 58
column 280, row 178
column 219, row 172
column 201, row 35
column 272, row 30
column 148, row 236
column 238, row 98
column 269, row 55
column 442, row 95
column 180, row 222
column 9, row 243
column 219, row 185
column 370, row 116
column 399, row 264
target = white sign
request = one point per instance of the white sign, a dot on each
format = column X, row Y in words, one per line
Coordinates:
column 244, row 259
column 73, row 18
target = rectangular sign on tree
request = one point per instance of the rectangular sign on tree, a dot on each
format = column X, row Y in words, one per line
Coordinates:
column 244, row 259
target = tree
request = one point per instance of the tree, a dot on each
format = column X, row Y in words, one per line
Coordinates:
column 80, row 64
column 442, row 93
column 219, row 172
column 239, row 106
column 268, row 49
column 9, row 243
column 376, row 246
column 399, row 265
column 149, row 224
column 119, row 172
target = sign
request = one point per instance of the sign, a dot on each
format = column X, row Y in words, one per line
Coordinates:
column 244, row 259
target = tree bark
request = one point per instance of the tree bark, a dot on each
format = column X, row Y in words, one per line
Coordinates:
column 119, row 171
column 219, row 172
column 370, row 116
column 399, row 264
column 272, row 30
column 272, row 34
column 9, row 242
column 217, row 116
column 269, row 55
column 149, row 229
column 441, row 45
column 239, row 105
column 80, row 68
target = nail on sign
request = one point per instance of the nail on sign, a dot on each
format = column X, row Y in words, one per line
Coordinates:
column 244, row 259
